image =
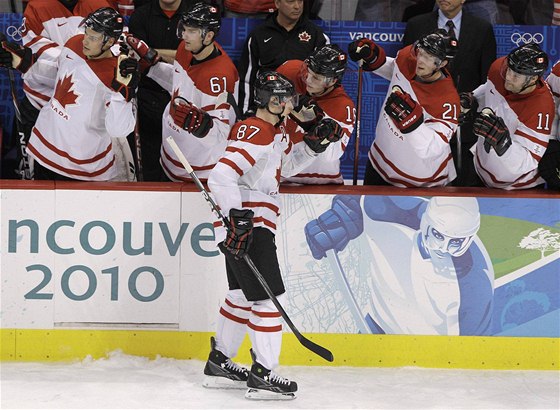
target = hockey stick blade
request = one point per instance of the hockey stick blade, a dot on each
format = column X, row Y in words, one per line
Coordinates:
column 314, row 347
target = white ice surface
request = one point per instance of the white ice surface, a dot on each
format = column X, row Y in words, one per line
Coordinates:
column 130, row 382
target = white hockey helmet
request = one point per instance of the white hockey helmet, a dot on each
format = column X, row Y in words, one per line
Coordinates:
column 449, row 224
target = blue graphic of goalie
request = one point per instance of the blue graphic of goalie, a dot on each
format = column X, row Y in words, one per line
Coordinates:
column 430, row 273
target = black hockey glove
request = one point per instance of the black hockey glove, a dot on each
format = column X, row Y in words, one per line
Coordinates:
column 549, row 165
column 494, row 131
column 190, row 118
column 406, row 113
column 239, row 232
column 469, row 107
column 307, row 114
column 366, row 50
column 13, row 55
column 325, row 132
column 126, row 77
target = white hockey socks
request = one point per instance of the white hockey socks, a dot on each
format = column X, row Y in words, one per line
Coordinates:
column 232, row 322
column 265, row 332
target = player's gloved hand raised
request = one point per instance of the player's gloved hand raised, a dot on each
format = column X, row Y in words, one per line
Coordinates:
column 406, row 113
column 494, row 131
column 469, row 107
column 366, row 50
column 13, row 55
column 325, row 132
column 126, row 77
column 190, row 118
column 147, row 55
column 307, row 114
column 239, row 232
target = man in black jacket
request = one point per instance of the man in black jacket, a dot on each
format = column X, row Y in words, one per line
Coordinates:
column 156, row 24
column 477, row 51
column 287, row 34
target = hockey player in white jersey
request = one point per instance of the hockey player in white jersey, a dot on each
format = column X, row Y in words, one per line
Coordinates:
column 549, row 165
column 199, row 115
column 411, row 146
column 72, row 138
column 430, row 273
column 513, row 114
column 245, row 184
column 318, row 82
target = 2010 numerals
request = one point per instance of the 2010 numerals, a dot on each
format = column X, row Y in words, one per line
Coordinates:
column 91, row 278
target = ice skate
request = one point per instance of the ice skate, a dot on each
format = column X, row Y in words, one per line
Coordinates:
column 222, row 373
column 264, row 384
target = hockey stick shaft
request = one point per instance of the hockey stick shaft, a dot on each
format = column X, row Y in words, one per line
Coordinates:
column 315, row 348
column 138, row 145
column 25, row 168
column 358, row 122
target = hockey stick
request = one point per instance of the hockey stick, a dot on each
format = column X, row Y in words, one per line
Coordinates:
column 25, row 167
column 346, row 291
column 358, row 120
column 138, row 144
column 315, row 348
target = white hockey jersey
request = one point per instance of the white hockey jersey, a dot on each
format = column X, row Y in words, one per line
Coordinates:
column 325, row 169
column 72, row 135
column 421, row 158
column 48, row 24
column 553, row 81
column 247, row 176
column 528, row 118
column 200, row 84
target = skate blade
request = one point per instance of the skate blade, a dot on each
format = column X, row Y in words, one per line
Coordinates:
column 215, row 382
column 256, row 394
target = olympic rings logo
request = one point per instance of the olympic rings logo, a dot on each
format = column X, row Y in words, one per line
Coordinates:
column 17, row 33
column 526, row 38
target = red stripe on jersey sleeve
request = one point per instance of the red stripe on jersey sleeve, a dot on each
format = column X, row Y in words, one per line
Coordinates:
column 45, row 48
column 268, row 205
column 243, row 153
column 531, row 138
column 232, row 165
column 35, row 93
column 264, row 221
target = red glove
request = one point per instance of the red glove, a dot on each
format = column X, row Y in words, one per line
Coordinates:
column 307, row 114
column 190, row 118
column 406, row 113
column 148, row 56
column 365, row 49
